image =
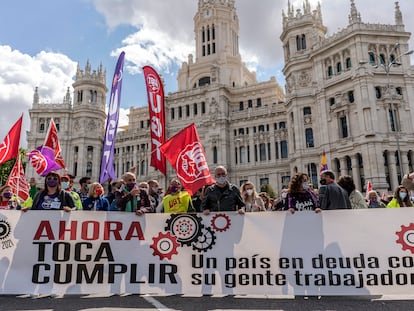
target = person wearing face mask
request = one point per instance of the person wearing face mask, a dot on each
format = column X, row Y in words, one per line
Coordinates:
column 176, row 200
column 401, row 198
column 300, row 197
column 331, row 195
column 374, row 201
column 153, row 193
column 7, row 200
column 133, row 197
column 66, row 185
column 222, row 196
column 95, row 200
column 252, row 201
column 85, row 183
column 53, row 197
column 281, row 205
column 355, row 196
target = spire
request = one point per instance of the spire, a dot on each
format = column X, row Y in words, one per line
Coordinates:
column 67, row 99
column 398, row 15
column 36, row 96
column 354, row 17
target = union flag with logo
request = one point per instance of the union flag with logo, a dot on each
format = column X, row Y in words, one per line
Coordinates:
column 9, row 149
column 48, row 157
column 17, row 181
column 186, row 155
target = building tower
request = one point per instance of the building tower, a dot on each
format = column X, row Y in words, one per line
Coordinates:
column 241, row 122
column 80, row 123
column 342, row 99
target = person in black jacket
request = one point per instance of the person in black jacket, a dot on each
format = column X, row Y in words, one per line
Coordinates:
column 53, row 197
column 222, row 196
column 332, row 195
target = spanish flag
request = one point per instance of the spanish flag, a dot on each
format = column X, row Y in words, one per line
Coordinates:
column 324, row 164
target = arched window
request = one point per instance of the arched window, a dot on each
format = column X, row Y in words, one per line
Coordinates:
column 348, row 63
column 343, row 126
column 242, row 154
column 371, row 58
column 309, row 138
column 262, row 151
column 382, row 59
column 284, row 149
column 338, row 67
column 215, row 155
column 330, row 71
column 303, row 41
column 378, row 92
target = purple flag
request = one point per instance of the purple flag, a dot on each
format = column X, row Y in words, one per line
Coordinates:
column 107, row 166
column 43, row 160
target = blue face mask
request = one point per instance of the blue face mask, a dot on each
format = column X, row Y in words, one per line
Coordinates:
column 403, row 195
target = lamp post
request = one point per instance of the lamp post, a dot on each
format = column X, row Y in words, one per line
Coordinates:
column 387, row 67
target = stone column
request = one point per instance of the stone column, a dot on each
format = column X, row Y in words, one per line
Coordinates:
column 356, row 174
column 404, row 160
column 344, row 170
column 392, row 170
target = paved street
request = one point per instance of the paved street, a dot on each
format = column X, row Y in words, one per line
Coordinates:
column 213, row 303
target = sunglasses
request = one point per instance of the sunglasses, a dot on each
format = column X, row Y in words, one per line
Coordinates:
column 52, row 178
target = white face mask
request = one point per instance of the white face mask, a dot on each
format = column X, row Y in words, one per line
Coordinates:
column 249, row 191
column 221, row 180
column 305, row 185
column 284, row 195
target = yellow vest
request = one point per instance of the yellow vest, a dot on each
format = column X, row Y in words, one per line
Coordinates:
column 176, row 203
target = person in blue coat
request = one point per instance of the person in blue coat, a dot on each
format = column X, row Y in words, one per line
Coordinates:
column 95, row 200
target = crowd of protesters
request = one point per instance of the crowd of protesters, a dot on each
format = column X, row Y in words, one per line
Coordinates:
column 128, row 195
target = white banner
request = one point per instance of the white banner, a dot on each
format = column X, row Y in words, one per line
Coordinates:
column 343, row 252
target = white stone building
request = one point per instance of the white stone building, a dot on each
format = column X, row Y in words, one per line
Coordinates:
column 337, row 101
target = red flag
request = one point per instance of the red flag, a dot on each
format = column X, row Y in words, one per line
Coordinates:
column 9, row 149
column 186, row 155
column 52, row 142
column 17, row 181
column 48, row 157
column 155, row 93
column 369, row 186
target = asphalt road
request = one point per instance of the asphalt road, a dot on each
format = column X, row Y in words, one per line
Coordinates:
column 202, row 303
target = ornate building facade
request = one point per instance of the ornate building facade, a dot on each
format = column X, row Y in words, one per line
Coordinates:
column 80, row 123
column 351, row 95
column 340, row 99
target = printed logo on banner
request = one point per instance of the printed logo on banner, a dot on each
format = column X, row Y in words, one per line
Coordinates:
column 188, row 230
column 5, row 230
column 406, row 237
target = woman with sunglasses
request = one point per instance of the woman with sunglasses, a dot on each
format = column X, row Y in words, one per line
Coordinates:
column 53, row 197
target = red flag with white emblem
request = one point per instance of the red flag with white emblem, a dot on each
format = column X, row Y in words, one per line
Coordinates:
column 52, row 142
column 155, row 93
column 186, row 155
column 17, row 181
column 9, row 149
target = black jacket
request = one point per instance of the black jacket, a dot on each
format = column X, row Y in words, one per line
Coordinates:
column 225, row 199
